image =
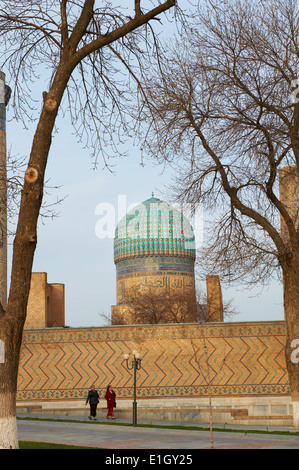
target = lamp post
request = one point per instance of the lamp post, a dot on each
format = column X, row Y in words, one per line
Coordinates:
column 134, row 364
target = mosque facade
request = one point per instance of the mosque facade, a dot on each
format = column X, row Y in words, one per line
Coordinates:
column 154, row 253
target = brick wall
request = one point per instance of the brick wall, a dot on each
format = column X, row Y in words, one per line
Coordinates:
column 245, row 359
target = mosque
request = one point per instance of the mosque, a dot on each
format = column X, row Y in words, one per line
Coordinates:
column 185, row 362
column 154, row 255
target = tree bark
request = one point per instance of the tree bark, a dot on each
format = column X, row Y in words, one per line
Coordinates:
column 291, row 307
column 11, row 335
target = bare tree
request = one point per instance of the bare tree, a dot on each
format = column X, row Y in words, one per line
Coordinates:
column 90, row 52
column 155, row 307
column 226, row 112
column 205, row 372
column 163, row 308
column 107, row 318
column 204, row 315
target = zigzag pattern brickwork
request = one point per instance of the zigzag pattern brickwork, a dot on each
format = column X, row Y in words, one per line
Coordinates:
column 245, row 359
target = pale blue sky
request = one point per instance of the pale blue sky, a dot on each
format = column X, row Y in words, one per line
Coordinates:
column 68, row 248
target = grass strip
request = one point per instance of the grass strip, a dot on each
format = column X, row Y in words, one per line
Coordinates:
column 49, row 445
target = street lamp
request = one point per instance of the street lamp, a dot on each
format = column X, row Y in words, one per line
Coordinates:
column 134, row 364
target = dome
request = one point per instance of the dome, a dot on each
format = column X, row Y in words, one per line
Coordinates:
column 154, row 228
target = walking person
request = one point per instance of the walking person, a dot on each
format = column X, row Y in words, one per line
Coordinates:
column 93, row 399
column 111, row 402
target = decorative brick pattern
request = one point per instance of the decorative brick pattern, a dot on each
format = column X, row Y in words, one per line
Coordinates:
column 245, row 359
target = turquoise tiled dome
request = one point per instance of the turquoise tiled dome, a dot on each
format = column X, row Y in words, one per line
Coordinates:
column 154, row 228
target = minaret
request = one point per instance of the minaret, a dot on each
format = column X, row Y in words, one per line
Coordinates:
column 154, row 256
column 214, row 299
column 5, row 92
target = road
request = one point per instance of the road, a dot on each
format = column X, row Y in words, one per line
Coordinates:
column 129, row 437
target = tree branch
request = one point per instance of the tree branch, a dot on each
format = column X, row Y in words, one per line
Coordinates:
column 122, row 31
column 64, row 24
column 81, row 25
column 232, row 193
column 137, row 8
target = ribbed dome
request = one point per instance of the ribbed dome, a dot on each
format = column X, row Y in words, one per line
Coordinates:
column 153, row 228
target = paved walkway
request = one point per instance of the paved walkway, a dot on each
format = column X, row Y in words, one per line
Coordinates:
column 108, row 436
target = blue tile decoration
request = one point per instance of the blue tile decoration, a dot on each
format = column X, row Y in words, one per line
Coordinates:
column 161, row 264
column 154, row 250
column 154, row 228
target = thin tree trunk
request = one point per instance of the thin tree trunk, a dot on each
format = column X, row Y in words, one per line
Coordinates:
column 210, row 393
column 207, row 378
column 291, row 307
column 211, row 418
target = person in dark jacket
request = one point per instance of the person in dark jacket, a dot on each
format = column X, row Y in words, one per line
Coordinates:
column 93, row 399
column 111, row 403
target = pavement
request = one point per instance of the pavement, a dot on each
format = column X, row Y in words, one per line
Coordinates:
column 139, row 441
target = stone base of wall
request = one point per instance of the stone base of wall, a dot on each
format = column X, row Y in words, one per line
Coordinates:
column 275, row 411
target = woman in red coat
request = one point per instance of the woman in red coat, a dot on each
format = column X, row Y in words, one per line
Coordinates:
column 111, row 403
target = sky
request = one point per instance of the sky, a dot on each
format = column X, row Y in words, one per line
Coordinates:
column 71, row 248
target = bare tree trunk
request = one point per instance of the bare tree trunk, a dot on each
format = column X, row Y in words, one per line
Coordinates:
column 9, row 373
column 13, row 319
column 211, row 418
column 291, row 306
column 210, row 390
column 207, row 378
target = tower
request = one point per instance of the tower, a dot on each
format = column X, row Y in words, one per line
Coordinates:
column 214, row 299
column 154, row 255
column 5, row 92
